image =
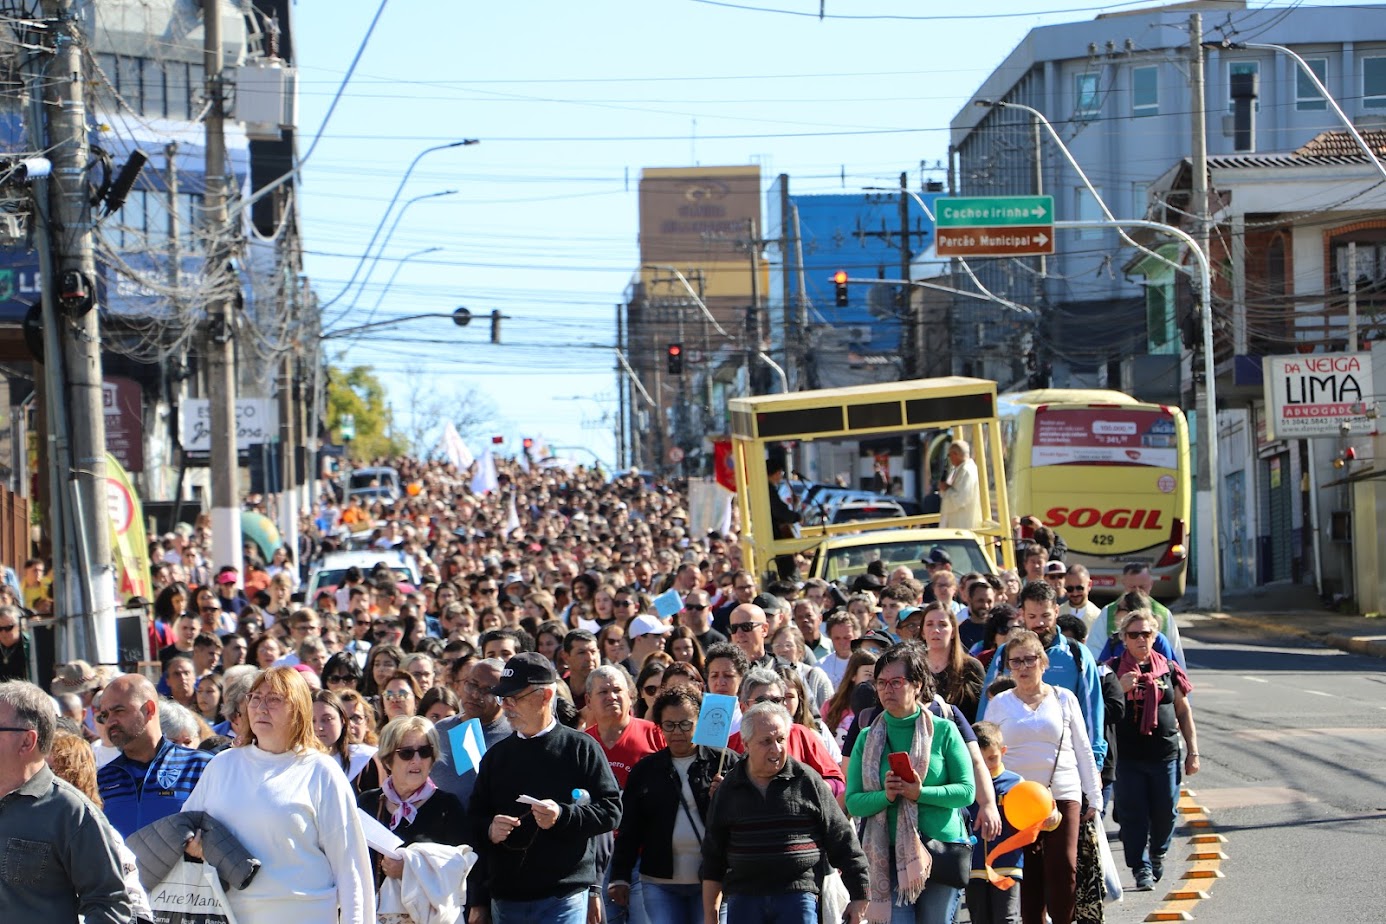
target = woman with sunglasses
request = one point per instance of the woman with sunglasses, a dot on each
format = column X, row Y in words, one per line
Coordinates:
column 615, row 648
column 665, row 808
column 408, row 802
column 1047, row 742
column 647, row 684
column 1147, row 738
column 341, row 672
column 400, row 696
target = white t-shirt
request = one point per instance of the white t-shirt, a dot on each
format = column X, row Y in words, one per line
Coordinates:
column 1033, row 737
column 296, row 813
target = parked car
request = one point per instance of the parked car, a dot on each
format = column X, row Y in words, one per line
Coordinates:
column 845, row 557
column 371, row 484
column 329, row 573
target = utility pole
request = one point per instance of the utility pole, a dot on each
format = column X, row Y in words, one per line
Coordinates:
column 904, row 297
column 620, row 390
column 1209, row 569
column 755, row 329
column 85, row 597
column 218, row 346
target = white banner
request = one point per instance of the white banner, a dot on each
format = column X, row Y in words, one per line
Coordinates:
column 257, row 421
column 1315, row 394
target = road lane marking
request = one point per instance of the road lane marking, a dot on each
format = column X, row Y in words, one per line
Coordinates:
column 1255, row 679
column 1320, row 693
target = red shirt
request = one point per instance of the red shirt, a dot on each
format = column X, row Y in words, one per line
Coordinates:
column 639, row 739
column 805, row 746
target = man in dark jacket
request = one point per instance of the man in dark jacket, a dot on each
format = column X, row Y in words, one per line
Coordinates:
column 772, row 822
column 542, row 797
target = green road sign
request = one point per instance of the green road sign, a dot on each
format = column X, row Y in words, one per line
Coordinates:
column 995, row 211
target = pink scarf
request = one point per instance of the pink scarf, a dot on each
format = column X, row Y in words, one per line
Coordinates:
column 1147, row 692
column 408, row 808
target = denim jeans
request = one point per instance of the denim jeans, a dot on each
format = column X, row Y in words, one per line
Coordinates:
column 937, row 904
column 785, row 908
column 565, row 909
column 1146, row 794
column 673, row 904
column 634, row 911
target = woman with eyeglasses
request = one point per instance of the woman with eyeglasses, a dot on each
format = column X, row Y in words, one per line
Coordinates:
column 264, row 651
column 900, row 812
column 1047, row 742
column 286, row 801
column 665, row 807
column 1147, row 737
column 799, row 704
column 341, row 672
column 407, row 801
column 360, row 718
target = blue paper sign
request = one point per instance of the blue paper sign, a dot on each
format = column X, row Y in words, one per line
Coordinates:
column 668, row 604
column 468, row 746
column 715, row 720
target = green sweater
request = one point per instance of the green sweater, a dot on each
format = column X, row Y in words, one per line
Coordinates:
column 948, row 785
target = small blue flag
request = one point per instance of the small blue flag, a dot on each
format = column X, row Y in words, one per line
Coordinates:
column 714, row 720
column 668, row 604
column 468, row 745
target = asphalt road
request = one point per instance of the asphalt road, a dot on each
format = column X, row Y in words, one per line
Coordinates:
column 1292, row 739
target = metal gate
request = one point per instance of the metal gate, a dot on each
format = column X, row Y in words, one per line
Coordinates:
column 1277, row 509
column 14, row 529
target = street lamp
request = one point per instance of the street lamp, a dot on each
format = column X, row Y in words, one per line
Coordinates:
column 389, row 208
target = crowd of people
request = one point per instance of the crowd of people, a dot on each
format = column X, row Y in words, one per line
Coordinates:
column 532, row 731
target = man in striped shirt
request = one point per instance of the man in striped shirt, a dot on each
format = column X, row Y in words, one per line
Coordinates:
column 151, row 777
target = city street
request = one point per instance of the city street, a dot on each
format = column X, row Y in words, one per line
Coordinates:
column 1291, row 738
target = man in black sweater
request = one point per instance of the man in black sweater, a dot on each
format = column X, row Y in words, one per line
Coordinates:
column 539, row 854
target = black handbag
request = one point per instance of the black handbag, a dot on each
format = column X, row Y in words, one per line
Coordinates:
column 952, row 863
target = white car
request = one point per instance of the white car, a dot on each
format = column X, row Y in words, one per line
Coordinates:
column 329, row 573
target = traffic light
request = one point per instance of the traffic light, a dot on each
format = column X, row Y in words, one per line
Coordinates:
column 673, row 355
column 840, row 285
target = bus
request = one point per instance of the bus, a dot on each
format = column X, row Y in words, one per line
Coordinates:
column 1109, row 474
column 887, row 428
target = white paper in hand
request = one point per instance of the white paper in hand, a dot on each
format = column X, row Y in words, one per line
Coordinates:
column 529, row 800
column 380, row 838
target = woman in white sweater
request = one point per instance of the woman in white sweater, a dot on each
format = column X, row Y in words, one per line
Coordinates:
column 1047, row 742
column 284, row 800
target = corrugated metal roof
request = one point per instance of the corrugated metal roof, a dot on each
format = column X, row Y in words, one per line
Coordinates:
column 1335, row 148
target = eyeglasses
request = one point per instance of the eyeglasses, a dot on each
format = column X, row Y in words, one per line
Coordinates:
column 1146, row 634
column 271, row 701
column 14, row 728
column 745, row 626
column 341, row 678
column 767, row 698
column 1031, row 661
column 615, row 639
column 516, row 697
column 424, row 750
column 684, row 726
column 396, row 694
column 478, row 689
column 894, row 684
column 652, row 689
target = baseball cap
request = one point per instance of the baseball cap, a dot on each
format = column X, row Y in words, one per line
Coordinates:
column 906, row 612
column 1055, row 567
column 527, row 669
column 875, row 636
column 937, row 556
column 227, row 577
column 770, row 603
column 645, row 624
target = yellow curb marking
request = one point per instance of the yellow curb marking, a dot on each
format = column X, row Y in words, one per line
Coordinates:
column 1205, row 861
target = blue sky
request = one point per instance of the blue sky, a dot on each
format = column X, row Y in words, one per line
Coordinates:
column 570, row 101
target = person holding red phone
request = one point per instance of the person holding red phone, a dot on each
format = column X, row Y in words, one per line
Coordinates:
column 908, row 776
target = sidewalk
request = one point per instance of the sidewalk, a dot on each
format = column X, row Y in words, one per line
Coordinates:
column 1293, row 611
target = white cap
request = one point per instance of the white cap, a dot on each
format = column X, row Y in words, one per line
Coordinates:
column 646, row 625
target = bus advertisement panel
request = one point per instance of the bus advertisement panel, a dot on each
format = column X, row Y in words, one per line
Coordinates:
column 1111, row 478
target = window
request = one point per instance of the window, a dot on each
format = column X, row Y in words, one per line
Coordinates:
column 1145, row 91
column 1241, row 67
column 1307, row 96
column 1157, row 319
column 1085, row 94
column 1088, row 210
column 1374, row 83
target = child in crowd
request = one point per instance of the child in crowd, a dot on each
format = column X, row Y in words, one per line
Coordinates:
column 987, row 904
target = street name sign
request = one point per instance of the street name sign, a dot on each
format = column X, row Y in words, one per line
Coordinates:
column 994, row 226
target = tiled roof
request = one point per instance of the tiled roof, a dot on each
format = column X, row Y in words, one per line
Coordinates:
column 1335, row 147
column 1341, row 144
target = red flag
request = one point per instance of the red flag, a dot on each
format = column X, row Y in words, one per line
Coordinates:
column 724, row 464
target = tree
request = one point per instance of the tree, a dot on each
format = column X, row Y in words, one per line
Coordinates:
column 357, row 391
column 470, row 410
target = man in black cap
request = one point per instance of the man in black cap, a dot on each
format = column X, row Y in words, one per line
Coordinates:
column 936, row 561
column 541, row 799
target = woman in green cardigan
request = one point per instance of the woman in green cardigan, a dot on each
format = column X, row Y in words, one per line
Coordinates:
column 941, row 783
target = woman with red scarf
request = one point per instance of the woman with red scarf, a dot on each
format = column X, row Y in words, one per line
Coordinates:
column 1147, row 776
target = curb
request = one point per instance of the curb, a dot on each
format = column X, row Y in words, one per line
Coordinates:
column 1370, row 647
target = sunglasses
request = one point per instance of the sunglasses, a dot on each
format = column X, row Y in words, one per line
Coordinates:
column 1146, row 634
column 424, row 750
column 341, row 678
column 652, row 689
column 1073, row 590
column 10, row 628
column 396, row 694
column 744, row 626
column 694, row 606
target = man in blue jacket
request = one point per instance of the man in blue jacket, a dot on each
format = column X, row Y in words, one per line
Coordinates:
column 152, row 777
column 1071, row 664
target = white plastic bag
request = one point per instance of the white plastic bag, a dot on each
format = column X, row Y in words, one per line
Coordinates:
column 190, row 894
